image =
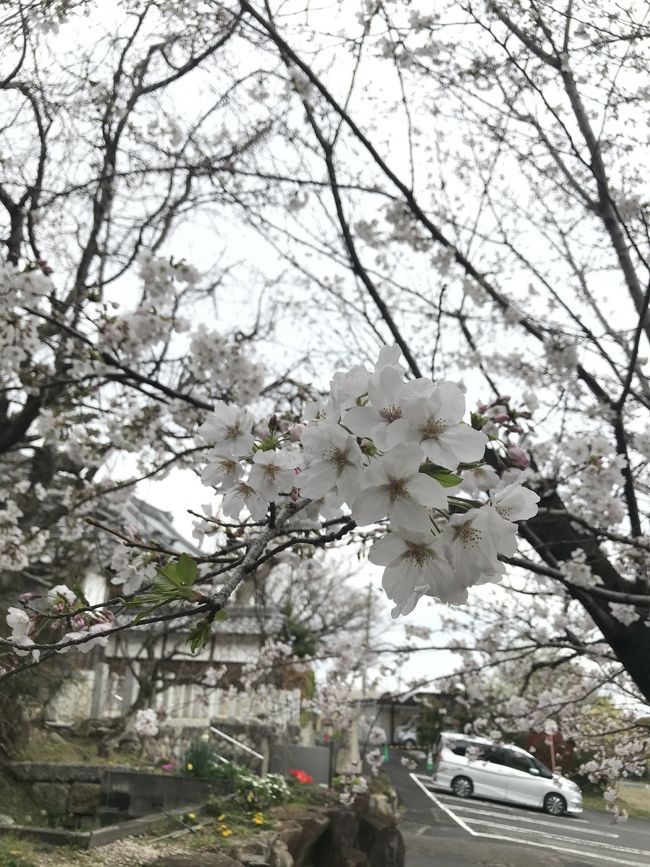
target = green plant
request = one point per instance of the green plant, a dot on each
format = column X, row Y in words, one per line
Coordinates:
column 216, row 805
column 258, row 793
column 202, row 760
column 309, row 796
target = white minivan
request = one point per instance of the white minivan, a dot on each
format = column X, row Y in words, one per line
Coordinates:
column 469, row 765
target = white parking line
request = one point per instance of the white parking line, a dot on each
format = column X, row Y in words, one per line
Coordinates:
column 451, row 815
column 444, row 792
column 556, row 836
column 580, row 852
column 468, row 808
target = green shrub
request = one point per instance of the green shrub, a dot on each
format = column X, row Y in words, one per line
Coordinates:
column 202, row 760
column 252, row 792
column 258, row 793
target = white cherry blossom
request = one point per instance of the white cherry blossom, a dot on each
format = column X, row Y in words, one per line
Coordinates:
column 626, row 614
column 436, row 422
column 415, row 566
column 18, row 621
column 475, row 539
column 146, row 723
column 221, row 471
column 347, row 386
column 20, row 624
column 398, row 489
column 61, row 593
column 482, row 478
column 333, row 462
column 515, row 503
column 94, row 636
column 382, row 418
column 229, row 428
column 273, row 472
column 244, row 496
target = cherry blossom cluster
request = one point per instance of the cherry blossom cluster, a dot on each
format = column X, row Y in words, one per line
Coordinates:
column 391, row 453
column 61, row 612
column 146, row 723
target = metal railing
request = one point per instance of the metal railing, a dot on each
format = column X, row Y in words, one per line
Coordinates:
column 237, row 743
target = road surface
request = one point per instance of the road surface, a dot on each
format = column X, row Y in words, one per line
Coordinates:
column 441, row 830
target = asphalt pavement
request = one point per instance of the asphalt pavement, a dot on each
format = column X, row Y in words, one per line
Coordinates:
column 441, row 830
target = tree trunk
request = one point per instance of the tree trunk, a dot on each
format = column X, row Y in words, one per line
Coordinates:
column 556, row 538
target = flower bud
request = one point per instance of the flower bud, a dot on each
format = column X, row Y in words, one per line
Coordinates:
column 295, row 432
column 517, row 456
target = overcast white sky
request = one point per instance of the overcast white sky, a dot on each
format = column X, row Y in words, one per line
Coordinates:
column 201, row 242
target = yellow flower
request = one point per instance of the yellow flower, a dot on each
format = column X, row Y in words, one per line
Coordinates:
column 191, row 816
column 189, row 766
column 221, row 817
column 226, row 832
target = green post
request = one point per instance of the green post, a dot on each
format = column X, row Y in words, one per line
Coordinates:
column 429, row 760
column 386, row 754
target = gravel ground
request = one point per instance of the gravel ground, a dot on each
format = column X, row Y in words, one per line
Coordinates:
column 130, row 852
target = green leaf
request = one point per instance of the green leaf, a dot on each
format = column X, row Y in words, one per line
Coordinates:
column 186, row 570
column 441, row 475
column 172, row 584
column 448, row 480
column 477, row 421
column 199, row 636
column 221, row 615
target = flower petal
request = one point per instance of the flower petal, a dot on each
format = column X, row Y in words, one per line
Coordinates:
column 388, row 550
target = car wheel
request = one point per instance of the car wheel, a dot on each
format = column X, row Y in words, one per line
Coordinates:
column 409, row 742
column 554, row 804
column 462, row 787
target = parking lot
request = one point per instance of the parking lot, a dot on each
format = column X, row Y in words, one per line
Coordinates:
column 589, row 839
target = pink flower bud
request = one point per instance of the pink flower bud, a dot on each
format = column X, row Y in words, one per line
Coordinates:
column 295, row 432
column 517, row 456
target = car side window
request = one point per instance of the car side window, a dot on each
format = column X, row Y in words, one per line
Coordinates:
column 543, row 770
column 467, row 748
column 475, row 751
column 520, row 762
column 497, row 756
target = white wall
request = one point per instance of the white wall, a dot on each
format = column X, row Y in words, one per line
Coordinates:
column 184, row 703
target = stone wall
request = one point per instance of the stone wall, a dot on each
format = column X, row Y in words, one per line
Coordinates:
column 70, row 792
column 62, row 790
